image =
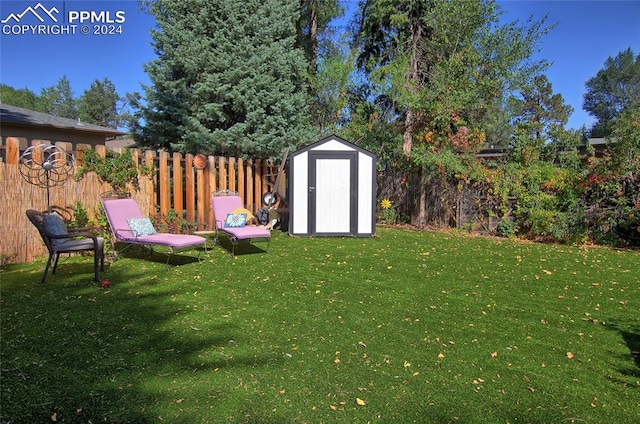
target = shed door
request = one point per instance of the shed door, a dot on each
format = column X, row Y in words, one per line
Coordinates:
column 332, row 192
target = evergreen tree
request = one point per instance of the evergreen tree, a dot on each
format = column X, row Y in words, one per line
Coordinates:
column 59, row 100
column 539, row 109
column 98, row 104
column 228, row 79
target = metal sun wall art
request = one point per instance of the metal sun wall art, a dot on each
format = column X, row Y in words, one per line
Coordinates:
column 46, row 166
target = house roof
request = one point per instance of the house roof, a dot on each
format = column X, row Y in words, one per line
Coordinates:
column 332, row 139
column 24, row 117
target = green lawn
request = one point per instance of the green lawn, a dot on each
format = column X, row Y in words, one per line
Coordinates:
column 404, row 327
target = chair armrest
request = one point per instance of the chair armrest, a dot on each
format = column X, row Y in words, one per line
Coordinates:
column 122, row 233
column 76, row 235
column 92, row 230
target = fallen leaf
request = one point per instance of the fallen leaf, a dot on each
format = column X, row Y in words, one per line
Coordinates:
column 440, row 356
column 54, row 417
column 494, row 354
column 362, row 344
column 360, row 402
column 333, row 407
column 569, row 355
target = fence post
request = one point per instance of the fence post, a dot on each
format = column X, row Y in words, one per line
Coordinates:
column 241, row 189
column 251, row 205
column 190, row 188
column 13, row 150
column 213, row 187
column 165, row 189
column 177, row 171
column 257, row 183
column 149, row 157
column 222, row 172
column 201, row 196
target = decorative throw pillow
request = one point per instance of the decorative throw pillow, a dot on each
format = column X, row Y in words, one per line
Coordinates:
column 244, row 210
column 235, row 220
column 141, row 226
column 54, row 224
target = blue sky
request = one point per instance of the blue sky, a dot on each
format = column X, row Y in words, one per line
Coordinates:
column 587, row 33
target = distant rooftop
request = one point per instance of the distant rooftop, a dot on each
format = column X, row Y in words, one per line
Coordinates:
column 19, row 116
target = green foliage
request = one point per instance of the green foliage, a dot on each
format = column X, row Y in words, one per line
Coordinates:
column 387, row 212
column 59, row 100
column 330, row 87
column 538, row 110
column 612, row 186
column 173, row 222
column 422, row 326
column 80, row 215
column 22, row 97
column 614, row 89
column 116, row 169
column 506, row 228
column 97, row 105
column 228, row 79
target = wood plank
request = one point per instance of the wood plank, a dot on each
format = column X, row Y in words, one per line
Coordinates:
column 190, row 188
column 178, row 186
column 164, row 183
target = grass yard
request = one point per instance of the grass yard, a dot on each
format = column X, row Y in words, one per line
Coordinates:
column 404, row 327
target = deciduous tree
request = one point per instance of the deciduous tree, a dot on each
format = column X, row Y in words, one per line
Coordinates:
column 613, row 90
column 22, row 97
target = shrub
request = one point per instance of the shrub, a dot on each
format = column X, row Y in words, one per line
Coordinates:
column 506, row 228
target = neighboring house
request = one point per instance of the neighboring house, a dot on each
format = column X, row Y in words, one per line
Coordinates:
column 28, row 125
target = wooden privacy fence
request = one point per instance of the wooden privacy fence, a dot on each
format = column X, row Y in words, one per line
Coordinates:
column 180, row 186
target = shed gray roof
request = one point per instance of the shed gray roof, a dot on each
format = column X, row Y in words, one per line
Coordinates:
column 20, row 116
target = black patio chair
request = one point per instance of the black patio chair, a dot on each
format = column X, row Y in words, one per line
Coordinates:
column 60, row 239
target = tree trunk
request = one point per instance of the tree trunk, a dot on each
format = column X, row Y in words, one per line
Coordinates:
column 411, row 120
column 413, row 82
column 313, row 35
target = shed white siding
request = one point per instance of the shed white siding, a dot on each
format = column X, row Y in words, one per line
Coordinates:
column 332, row 190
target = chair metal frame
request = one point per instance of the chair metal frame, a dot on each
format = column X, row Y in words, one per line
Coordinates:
column 223, row 203
column 124, row 208
column 77, row 240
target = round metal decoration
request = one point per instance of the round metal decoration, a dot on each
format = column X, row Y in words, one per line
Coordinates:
column 200, row 161
column 46, row 166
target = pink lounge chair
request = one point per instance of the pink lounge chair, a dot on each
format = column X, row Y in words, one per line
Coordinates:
column 223, row 210
column 130, row 227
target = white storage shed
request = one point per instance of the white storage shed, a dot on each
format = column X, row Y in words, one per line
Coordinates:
column 332, row 190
